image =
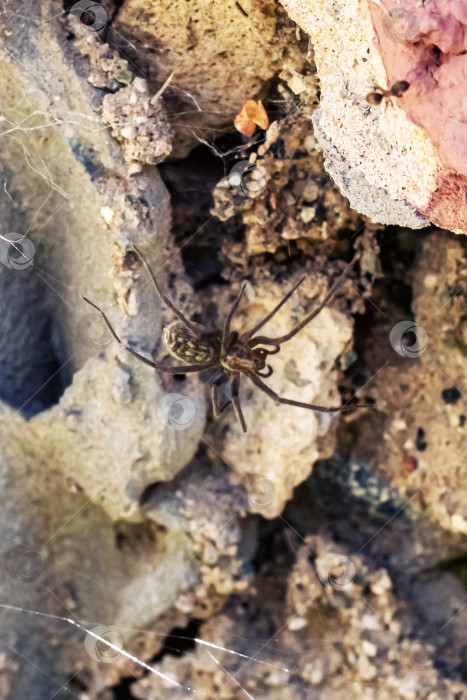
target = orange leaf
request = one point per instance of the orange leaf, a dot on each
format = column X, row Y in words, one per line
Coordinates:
column 252, row 115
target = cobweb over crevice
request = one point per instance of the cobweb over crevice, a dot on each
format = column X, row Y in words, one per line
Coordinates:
column 177, row 642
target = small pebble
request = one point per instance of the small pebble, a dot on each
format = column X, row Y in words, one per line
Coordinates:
column 307, row 214
column 381, row 583
column 140, row 84
column 210, row 554
column 409, row 463
column 296, row 623
column 125, row 77
column 366, row 669
column 399, row 424
column 458, row 523
column 296, row 84
column 369, row 648
column 310, row 143
column 311, row 191
column 278, row 678
column 107, row 214
column 430, row 281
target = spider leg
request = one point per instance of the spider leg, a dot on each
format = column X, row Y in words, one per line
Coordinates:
column 323, row 409
column 263, row 340
column 160, row 368
column 217, row 409
column 251, row 333
column 236, row 402
column 228, row 320
column 267, row 374
column 324, row 303
column 193, row 328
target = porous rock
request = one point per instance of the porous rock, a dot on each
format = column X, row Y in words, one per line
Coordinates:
column 396, row 161
column 82, row 215
column 221, row 55
column 424, row 393
column 284, row 441
column 64, row 557
column 69, row 470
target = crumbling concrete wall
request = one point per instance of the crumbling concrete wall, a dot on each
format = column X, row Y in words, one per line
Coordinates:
column 127, row 513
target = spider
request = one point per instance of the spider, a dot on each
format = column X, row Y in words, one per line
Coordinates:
column 226, row 350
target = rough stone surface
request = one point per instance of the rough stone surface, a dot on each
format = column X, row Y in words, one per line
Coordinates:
column 63, row 556
column 313, row 557
column 139, row 122
column 362, row 626
column 65, row 192
column 424, row 395
column 281, row 191
column 81, row 220
column 221, row 55
column 384, row 158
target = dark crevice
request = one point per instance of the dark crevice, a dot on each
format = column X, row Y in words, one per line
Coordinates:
column 122, row 691
column 270, row 544
column 150, row 491
column 34, row 371
column 196, row 232
column 391, row 301
column 177, row 642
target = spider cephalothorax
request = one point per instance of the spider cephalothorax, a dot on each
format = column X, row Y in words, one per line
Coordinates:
column 238, row 354
column 230, row 353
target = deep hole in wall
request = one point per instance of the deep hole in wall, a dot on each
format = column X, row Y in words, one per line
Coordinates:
column 33, row 369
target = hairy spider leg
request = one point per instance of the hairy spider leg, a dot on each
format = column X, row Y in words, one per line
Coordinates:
column 235, row 400
column 323, row 409
column 216, row 407
column 246, row 339
column 249, row 336
column 193, row 328
column 228, row 321
column 266, row 374
column 160, row 368
column 315, row 312
column 235, row 386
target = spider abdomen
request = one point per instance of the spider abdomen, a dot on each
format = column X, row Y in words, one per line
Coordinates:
column 183, row 344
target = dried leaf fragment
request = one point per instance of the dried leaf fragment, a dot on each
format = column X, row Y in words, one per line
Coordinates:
column 252, row 115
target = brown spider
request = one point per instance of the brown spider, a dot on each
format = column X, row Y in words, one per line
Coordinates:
column 233, row 354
